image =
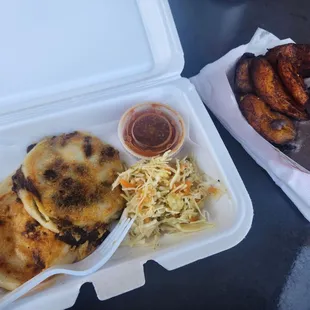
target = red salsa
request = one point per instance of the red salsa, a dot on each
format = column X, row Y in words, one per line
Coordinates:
column 151, row 132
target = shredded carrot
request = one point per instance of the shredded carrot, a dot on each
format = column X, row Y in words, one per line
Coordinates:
column 183, row 166
column 147, row 220
column 188, row 187
column 212, row 190
column 141, row 204
column 194, row 218
column 177, row 184
column 126, row 184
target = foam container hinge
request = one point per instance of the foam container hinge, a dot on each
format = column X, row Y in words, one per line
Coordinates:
column 95, row 103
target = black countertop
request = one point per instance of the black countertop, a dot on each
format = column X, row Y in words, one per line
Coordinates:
column 270, row 269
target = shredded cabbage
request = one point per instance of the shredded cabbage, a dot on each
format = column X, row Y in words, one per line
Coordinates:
column 166, row 196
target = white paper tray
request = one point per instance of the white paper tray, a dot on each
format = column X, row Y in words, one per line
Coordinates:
column 214, row 84
column 98, row 111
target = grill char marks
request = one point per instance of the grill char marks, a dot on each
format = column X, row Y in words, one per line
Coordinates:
column 31, row 226
column 57, row 168
column 67, row 183
column 73, row 194
column 64, row 139
column 108, row 153
column 31, row 231
column 87, row 146
column 70, row 194
column 97, row 242
column 39, row 263
column 31, row 188
column 30, row 147
column 81, row 170
column 50, row 175
column 20, row 182
column 76, row 236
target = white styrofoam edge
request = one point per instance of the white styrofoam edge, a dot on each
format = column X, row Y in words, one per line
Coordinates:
column 67, row 301
column 156, row 29
column 163, row 39
column 133, row 271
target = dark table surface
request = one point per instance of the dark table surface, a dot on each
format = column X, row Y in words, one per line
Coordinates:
column 270, row 269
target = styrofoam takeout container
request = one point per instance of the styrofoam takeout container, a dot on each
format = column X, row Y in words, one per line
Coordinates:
column 79, row 65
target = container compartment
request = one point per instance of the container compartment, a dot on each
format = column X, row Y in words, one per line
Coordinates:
column 232, row 214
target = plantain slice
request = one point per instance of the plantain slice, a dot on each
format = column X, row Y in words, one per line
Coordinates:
column 298, row 54
column 273, row 126
column 243, row 83
column 289, row 51
column 292, row 80
column 268, row 87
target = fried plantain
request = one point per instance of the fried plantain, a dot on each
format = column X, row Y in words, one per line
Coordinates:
column 298, row 54
column 273, row 126
column 292, row 80
column 268, row 87
column 289, row 51
column 243, row 83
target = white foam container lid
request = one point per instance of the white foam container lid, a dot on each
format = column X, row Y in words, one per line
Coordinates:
column 78, row 65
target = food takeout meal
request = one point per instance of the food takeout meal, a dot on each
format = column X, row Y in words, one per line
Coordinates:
column 271, row 91
column 56, row 208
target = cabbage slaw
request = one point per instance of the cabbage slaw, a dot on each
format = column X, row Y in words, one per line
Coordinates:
column 166, row 196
